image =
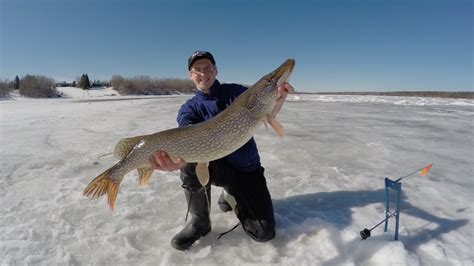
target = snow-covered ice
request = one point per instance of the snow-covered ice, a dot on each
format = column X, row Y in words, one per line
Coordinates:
column 326, row 179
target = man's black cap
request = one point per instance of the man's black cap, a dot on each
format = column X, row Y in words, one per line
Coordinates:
column 198, row 55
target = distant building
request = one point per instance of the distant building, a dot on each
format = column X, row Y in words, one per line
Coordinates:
column 98, row 83
column 66, row 84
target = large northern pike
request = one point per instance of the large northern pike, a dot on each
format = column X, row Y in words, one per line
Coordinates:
column 201, row 143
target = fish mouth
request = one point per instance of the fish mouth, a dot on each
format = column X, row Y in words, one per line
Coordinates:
column 284, row 71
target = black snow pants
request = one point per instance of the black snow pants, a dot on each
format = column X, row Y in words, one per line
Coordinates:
column 254, row 203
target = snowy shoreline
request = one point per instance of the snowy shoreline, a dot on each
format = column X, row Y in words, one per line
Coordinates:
column 110, row 94
column 396, row 100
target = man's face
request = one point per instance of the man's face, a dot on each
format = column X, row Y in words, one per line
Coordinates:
column 203, row 73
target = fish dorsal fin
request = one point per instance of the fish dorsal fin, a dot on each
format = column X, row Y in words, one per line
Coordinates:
column 144, row 175
column 124, row 146
column 276, row 126
column 202, row 172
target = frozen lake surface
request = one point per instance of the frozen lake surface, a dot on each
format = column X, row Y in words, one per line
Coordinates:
column 326, row 178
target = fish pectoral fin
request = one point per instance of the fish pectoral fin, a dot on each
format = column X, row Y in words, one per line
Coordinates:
column 202, row 172
column 144, row 175
column 266, row 125
column 103, row 184
column 276, row 125
column 278, row 105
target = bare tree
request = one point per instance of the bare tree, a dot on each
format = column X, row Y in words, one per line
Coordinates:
column 37, row 86
column 150, row 86
column 5, row 87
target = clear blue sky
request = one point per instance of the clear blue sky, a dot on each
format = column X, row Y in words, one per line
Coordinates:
column 338, row 45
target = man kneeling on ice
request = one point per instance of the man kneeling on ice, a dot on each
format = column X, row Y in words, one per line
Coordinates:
column 239, row 173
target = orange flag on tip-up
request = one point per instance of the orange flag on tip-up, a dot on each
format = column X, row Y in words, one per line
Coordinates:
column 425, row 170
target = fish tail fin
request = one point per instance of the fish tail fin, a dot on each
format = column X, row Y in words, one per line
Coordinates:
column 103, row 184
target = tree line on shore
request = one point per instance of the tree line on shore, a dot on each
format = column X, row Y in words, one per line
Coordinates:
column 32, row 86
column 38, row 86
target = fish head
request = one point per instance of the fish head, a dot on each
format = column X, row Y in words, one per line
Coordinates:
column 264, row 93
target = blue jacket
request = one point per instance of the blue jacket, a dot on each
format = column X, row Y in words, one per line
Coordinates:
column 204, row 106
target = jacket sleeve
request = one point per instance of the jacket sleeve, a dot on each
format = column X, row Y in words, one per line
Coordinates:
column 186, row 115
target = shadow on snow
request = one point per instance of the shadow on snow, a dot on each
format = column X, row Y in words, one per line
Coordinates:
column 306, row 214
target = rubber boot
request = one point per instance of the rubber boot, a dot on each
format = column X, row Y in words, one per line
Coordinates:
column 200, row 224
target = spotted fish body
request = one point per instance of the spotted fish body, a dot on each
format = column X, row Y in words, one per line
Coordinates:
column 201, row 143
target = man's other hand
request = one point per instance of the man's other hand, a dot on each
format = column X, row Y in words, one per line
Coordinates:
column 284, row 90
